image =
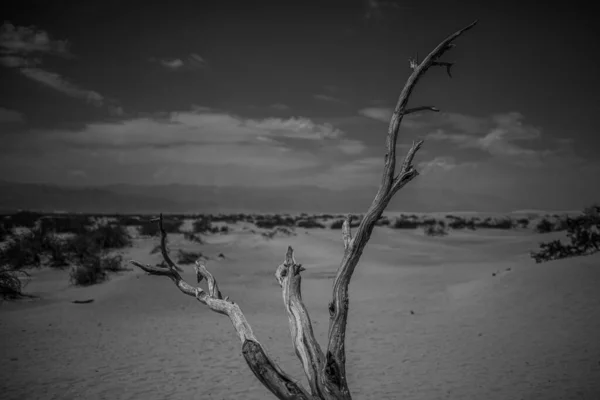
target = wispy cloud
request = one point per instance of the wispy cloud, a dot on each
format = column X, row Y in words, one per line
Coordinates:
column 279, row 106
column 201, row 146
column 10, row 116
column 23, row 48
column 328, row 98
column 382, row 114
column 57, row 82
column 192, row 62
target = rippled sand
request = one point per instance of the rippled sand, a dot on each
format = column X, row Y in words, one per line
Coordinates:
column 528, row 332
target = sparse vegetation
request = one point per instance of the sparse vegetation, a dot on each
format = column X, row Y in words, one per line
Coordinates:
column 149, row 228
column 188, row 257
column 583, row 232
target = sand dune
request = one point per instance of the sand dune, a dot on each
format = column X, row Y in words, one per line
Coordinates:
column 488, row 323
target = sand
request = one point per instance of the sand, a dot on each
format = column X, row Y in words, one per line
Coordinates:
column 487, row 322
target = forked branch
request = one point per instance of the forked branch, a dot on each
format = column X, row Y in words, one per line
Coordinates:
column 263, row 367
column 326, row 372
column 335, row 371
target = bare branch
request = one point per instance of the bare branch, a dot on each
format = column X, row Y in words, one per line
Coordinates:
column 335, row 370
column 306, row 346
column 263, row 367
column 417, row 109
column 346, row 233
column 163, row 245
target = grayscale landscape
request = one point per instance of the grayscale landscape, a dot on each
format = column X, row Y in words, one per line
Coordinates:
column 299, row 200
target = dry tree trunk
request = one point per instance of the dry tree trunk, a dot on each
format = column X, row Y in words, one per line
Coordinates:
column 326, row 371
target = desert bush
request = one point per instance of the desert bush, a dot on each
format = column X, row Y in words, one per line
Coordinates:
column 112, row 263
column 111, row 237
column 187, row 257
column 523, row 222
column 22, row 251
column 435, row 230
column 461, row 223
column 148, row 228
column 583, row 232
column 66, row 224
column 382, row 221
column 58, row 253
column 25, row 219
column 12, row 282
column 309, row 223
column 496, row 223
column 404, row 223
column 128, row 220
column 337, row 224
column 204, row 225
column 89, row 272
column 544, row 226
column 192, row 237
column 5, row 231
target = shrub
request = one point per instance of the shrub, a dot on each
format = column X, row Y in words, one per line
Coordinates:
column 435, row 230
column 66, row 224
column 461, row 223
column 382, row 221
column 112, row 263
column 148, row 228
column 309, row 223
column 404, row 223
column 204, row 225
column 11, row 282
column 111, row 237
column 496, row 223
column 25, row 219
column 89, row 272
column 191, row 237
column 337, row 224
column 22, row 251
column 583, row 233
column 544, row 226
column 187, row 257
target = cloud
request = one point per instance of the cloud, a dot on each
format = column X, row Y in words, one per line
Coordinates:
column 22, row 48
column 500, row 135
column 25, row 40
column 197, row 147
column 299, row 128
column 328, row 98
column 382, row 114
column 191, row 63
column 442, row 163
column 279, row 106
column 57, row 82
column 10, row 116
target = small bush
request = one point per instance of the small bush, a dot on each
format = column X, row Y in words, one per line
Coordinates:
column 148, row 228
column 403, row 223
column 337, row 224
column 204, row 225
column 309, row 223
column 192, row 237
column 25, row 219
column 112, row 263
column 435, row 230
column 544, row 226
column 12, row 283
column 89, row 272
column 583, row 233
column 22, row 251
column 188, row 257
column 66, row 224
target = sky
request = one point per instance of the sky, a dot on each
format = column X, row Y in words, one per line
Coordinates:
column 293, row 94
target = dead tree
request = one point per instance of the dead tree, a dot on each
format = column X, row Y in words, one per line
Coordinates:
column 325, row 370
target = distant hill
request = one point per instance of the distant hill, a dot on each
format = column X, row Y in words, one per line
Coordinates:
column 189, row 198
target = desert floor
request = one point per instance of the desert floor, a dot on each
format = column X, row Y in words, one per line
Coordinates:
column 488, row 322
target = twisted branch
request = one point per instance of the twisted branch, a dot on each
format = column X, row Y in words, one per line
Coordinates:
column 335, row 369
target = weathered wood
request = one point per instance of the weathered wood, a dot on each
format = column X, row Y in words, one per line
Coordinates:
column 326, row 372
